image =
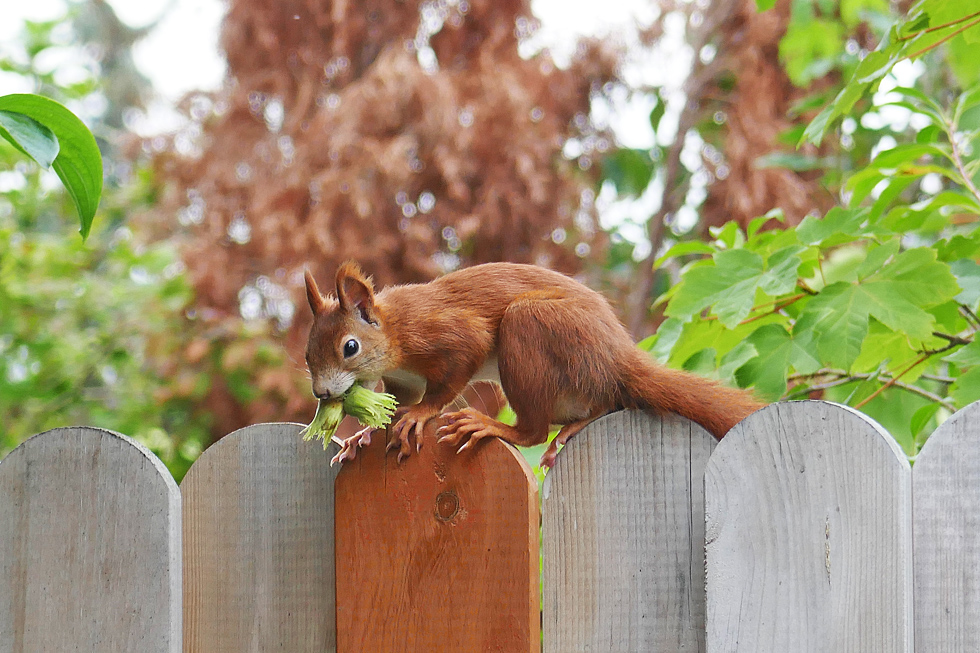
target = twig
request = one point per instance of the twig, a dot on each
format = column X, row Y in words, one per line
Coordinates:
column 938, row 379
column 955, row 152
column 775, row 309
column 939, row 27
column 846, row 378
column 945, row 38
column 955, row 340
column 970, row 316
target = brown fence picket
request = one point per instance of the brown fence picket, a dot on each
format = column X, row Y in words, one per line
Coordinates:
column 439, row 553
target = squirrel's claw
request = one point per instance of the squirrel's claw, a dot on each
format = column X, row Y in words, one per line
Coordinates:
column 466, row 427
column 349, row 446
column 410, row 424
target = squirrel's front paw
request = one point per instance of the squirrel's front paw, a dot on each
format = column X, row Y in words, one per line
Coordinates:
column 349, row 446
column 411, row 423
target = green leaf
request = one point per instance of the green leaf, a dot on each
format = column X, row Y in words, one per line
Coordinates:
column 658, row 111
column 29, row 136
column 877, row 257
column 778, row 352
column 662, row 342
column 684, row 248
column 742, row 353
column 851, row 10
column 703, row 362
column 79, row 163
column 839, row 322
column 967, row 275
column 966, row 390
column 629, row 170
column 730, row 282
column 794, row 161
column 923, row 417
column 756, row 223
column 730, row 285
column 895, row 293
column 958, row 247
column 808, row 43
column 837, row 222
column 967, row 356
column 781, row 275
column 891, row 349
column 728, row 234
column 765, row 5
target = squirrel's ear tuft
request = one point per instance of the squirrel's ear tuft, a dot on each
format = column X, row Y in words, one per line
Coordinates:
column 356, row 292
column 318, row 303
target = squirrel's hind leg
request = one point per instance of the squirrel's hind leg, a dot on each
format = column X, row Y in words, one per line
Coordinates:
column 564, row 435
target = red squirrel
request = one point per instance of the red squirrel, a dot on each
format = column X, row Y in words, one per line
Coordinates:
column 555, row 347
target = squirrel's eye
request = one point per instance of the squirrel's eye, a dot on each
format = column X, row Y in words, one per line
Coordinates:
column 350, row 348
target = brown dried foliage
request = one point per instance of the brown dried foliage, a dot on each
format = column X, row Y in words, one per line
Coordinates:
column 365, row 132
column 756, row 113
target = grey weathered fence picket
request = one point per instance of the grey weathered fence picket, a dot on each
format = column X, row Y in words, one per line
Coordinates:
column 804, row 516
column 90, row 554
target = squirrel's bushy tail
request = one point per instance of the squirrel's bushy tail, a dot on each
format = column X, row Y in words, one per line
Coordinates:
column 712, row 405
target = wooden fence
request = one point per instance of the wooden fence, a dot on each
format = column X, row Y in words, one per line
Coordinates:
column 805, row 529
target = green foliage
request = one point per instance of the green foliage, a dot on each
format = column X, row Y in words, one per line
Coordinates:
column 874, row 305
column 91, row 333
column 630, row 170
column 929, row 24
column 85, row 334
column 54, row 137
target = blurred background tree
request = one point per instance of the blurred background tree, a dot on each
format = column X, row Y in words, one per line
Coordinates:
column 416, row 137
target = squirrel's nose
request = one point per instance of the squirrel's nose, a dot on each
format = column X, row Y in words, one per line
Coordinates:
column 322, row 395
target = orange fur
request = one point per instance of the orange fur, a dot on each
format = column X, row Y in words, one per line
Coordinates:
column 562, row 355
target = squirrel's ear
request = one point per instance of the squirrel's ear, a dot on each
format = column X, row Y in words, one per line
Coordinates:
column 318, row 303
column 356, row 292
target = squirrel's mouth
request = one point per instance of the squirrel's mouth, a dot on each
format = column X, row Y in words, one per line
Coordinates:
column 329, row 386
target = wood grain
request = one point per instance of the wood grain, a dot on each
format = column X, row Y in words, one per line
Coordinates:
column 439, row 553
column 258, row 544
column 623, row 538
column 946, row 501
column 808, row 534
column 89, row 546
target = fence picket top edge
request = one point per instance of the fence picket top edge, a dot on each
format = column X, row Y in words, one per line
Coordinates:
column 747, row 431
column 236, row 437
column 744, row 429
column 954, row 430
column 28, row 445
column 251, row 429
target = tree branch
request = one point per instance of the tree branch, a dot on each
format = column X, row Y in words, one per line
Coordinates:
column 845, row 378
column 697, row 86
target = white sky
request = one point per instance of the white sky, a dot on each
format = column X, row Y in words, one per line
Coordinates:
column 181, row 54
